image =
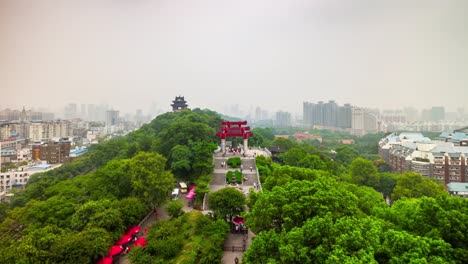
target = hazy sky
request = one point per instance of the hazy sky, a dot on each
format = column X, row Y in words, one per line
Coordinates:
column 269, row 53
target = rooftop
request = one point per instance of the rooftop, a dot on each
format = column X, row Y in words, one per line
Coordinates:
column 457, row 187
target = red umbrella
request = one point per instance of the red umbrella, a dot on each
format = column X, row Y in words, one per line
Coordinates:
column 124, row 240
column 134, row 230
column 115, row 250
column 140, row 242
column 105, row 260
column 239, row 220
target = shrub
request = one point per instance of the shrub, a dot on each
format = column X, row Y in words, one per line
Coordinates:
column 174, row 208
column 234, row 176
column 234, row 162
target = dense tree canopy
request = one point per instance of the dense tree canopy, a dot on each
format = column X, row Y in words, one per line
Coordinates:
column 414, row 185
column 73, row 214
column 226, row 202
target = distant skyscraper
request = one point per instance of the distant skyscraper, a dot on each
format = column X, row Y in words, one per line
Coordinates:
column 83, row 111
column 92, row 116
column 344, row 117
column 71, row 111
column 258, row 114
column 283, row 119
column 330, row 114
column 437, row 113
column 112, row 119
column 411, row 114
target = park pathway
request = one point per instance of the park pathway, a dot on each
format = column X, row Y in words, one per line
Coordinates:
column 149, row 222
column 235, row 240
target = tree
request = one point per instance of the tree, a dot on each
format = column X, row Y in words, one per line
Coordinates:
column 149, row 179
column 283, row 143
column 174, row 208
column 363, row 172
column 412, row 185
column 203, row 157
column 181, row 161
column 293, row 156
column 290, row 205
column 345, row 155
column 82, row 247
column 387, row 183
column 226, row 202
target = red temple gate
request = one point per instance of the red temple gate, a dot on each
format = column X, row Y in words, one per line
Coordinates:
column 234, row 129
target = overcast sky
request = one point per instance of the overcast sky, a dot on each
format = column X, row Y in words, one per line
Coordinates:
column 269, row 53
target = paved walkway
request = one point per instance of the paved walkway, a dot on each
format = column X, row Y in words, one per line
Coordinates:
column 219, row 182
column 162, row 215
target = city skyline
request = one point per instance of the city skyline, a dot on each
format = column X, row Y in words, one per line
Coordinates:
column 270, row 54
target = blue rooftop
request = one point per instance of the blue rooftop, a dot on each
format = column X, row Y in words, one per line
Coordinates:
column 458, row 136
column 42, row 166
column 78, row 151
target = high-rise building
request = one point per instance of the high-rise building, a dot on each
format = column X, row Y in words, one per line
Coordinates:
column 71, row 111
column 411, row 114
column 437, row 113
column 283, row 119
column 330, row 110
column 344, row 116
column 112, row 118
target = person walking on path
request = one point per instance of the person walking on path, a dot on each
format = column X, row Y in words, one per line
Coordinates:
column 251, row 168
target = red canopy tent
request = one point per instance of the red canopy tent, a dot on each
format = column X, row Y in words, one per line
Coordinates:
column 105, row 260
column 239, row 220
column 124, row 240
column 133, row 230
column 115, row 250
column 140, row 242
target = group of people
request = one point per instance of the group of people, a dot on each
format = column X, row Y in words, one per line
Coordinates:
column 241, row 229
column 256, row 186
column 234, row 151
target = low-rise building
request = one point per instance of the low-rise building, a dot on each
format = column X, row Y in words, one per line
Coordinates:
column 52, row 152
column 19, row 178
column 439, row 160
column 458, row 189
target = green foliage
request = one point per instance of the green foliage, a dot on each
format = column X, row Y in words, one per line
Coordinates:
column 262, row 137
column 149, row 179
column 234, row 177
column 387, row 183
column 174, row 208
column 283, row 143
column 226, row 202
column 382, row 166
column 3, row 211
column 181, row 161
column 90, row 202
column 290, row 205
column 412, row 185
column 200, row 237
column 264, row 167
column 346, row 154
column 285, row 174
column 203, row 158
column 363, row 172
column 348, row 240
column 203, row 187
column 234, row 162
